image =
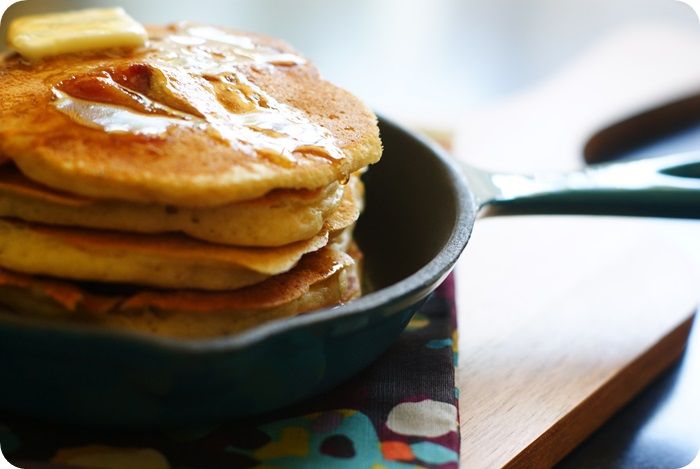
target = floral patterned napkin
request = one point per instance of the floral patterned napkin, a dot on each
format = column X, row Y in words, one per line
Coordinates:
column 400, row 412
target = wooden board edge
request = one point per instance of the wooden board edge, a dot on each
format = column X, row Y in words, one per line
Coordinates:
column 551, row 447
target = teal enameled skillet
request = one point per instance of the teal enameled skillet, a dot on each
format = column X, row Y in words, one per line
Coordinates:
column 420, row 213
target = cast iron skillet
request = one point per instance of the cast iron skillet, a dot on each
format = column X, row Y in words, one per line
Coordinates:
column 420, row 213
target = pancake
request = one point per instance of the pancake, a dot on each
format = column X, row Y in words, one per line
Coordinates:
column 326, row 277
column 196, row 186
column 199, row 117
column 165, row 261
column 281, row 217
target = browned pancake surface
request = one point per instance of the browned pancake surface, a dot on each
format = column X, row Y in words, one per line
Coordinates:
column 248, row 119
column 279, row 218
column 324, row 278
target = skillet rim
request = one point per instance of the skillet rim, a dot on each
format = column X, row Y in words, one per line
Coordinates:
column 420, row 283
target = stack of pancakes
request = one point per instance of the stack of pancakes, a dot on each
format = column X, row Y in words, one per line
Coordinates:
column 194, row 187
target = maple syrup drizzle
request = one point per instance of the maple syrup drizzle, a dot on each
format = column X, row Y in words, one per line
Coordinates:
column 193, row 78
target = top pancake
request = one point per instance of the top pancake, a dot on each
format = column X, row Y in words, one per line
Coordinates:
column 198, row 117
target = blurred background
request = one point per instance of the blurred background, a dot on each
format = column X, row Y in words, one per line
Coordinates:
column 422, row 62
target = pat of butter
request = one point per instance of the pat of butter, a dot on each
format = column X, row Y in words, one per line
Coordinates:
column 40, row 36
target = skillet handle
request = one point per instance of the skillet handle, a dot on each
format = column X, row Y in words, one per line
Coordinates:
column 666, row 186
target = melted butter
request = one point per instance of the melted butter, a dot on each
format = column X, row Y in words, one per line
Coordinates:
column 113, row 118
column 194, row 77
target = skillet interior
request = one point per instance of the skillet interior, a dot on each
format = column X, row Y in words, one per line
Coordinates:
column 418, row 219
column 412, row 209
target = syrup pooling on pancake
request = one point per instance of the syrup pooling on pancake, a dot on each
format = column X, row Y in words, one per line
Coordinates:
column 113, row 119
column 193, row 78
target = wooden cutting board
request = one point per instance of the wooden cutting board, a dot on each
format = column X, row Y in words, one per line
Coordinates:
column 564, row 319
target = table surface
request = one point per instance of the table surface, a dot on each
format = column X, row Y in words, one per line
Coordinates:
column 449, row 56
